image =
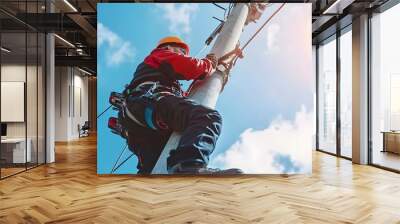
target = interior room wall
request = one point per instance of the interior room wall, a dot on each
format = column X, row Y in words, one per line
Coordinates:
column 61, row 103
column 80, row 109
column 16, row 73
column 71, row 87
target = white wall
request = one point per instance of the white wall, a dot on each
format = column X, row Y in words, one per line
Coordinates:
column 33, row 126
column 61, row 103
column 80, row 89
column 71, row 93
column 17, row 73
column 12, row 73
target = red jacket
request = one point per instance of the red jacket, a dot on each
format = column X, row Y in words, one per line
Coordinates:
column 185, row 67
column 168, row 67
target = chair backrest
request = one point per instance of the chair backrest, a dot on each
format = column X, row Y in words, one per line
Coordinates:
column 86, row 125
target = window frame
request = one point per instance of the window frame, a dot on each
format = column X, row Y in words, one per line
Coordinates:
column 334, row 37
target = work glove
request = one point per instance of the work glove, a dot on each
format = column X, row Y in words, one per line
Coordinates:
column 213, row 59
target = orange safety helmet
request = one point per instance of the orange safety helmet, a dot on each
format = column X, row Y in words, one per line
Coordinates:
column 174, row 40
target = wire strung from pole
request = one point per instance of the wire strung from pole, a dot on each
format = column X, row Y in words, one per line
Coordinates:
column 123, row 162
column 119, row 157
column 262, row 26
column 104, row 111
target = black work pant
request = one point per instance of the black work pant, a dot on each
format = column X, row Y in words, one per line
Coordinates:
column 199, row 126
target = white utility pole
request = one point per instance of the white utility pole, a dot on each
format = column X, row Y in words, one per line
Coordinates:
column 206, row 92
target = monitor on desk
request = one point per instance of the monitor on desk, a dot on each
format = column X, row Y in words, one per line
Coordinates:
column 3, row 130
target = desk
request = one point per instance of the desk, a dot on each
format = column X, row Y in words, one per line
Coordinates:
column 13, row 150
column 391, row 141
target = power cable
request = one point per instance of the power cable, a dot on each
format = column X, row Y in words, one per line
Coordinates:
column 104, row 111
column 123, row 162
column 262, row 26
column 119, row 157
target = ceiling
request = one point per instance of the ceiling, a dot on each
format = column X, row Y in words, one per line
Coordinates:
column 329, row 16
column 75, row 21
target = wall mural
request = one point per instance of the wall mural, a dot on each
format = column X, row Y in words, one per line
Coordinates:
column 180, row 92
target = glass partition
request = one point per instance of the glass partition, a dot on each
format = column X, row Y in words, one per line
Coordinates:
column 31, row 99
column 22, row 91
column 41, row 97
column 14, row 153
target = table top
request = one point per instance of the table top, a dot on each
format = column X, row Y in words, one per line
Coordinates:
column 13, row 140
column 391, row 132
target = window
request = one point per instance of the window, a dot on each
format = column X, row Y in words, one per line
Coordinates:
column 327, row 96
column 346, row 92
column 395, row 102
column 385, row 89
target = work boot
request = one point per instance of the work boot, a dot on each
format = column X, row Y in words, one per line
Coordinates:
column 201, row 169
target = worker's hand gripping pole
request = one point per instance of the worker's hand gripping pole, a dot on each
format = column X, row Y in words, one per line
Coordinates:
column 229, row 60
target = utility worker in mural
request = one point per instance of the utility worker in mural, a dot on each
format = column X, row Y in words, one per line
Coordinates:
column 156, row 106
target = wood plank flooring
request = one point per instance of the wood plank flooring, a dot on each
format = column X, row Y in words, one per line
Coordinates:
column 70, row 191
column 10, row 171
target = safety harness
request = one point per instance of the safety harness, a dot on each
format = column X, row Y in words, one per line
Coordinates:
column 150, row 91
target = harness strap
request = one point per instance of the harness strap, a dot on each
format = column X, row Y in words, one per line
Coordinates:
column 149, row 117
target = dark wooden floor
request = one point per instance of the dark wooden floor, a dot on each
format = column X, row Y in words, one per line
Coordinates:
column 70, row 191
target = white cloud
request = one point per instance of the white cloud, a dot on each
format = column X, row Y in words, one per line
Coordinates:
column 123, row 52
column 178, row 16
column 118, row 50
column 272, row 38
column 106, row 35
column 283, row 147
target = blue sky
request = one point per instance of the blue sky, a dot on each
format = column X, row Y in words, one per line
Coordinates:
column 271, row 89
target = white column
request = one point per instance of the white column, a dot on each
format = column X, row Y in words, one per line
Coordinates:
column 206, row 92
column 50, row 93
column 360, row 90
